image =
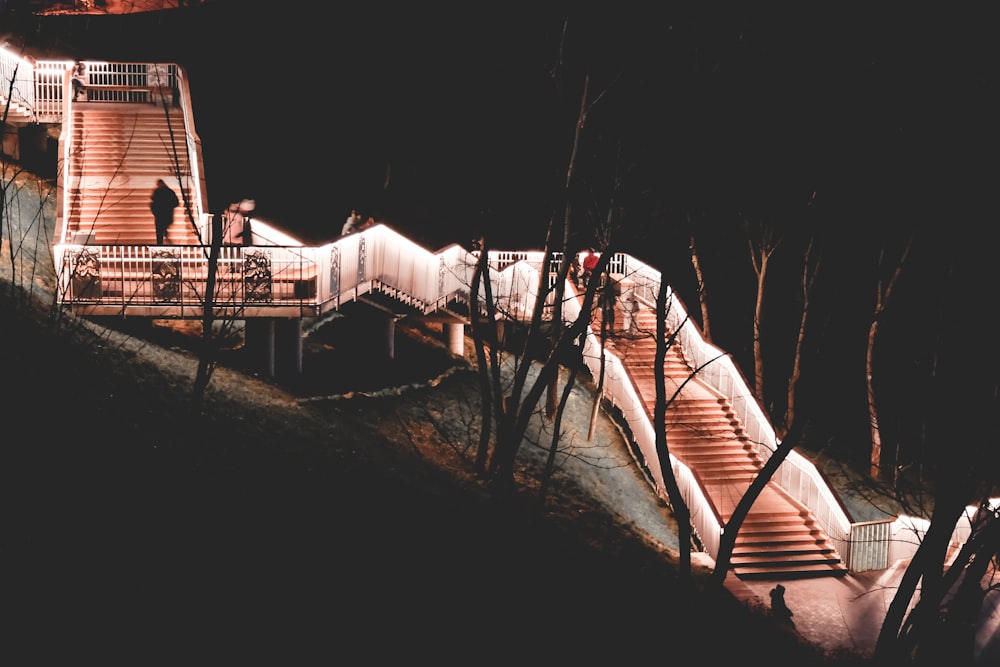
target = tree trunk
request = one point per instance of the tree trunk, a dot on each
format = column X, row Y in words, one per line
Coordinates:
column 706, row 328
column 896, row 640
column 875, row 469
column 550, row 460
column 732, row 527
column 682, row 512
column 882, row 296
column 206, row 359
column 758, row 316
column 520, row 403
column 809, row 273
column 560, row 286
column 599, row 391
column 486, row 398
column 763, row 242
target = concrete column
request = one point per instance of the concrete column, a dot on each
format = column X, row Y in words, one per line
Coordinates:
column 456, row 337
column 288, row 346
column 259, row 336
column 390, row 336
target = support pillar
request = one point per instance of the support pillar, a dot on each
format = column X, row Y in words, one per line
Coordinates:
column 259, row 337
column 288, row 346
column 456, row 337
column 390, row 336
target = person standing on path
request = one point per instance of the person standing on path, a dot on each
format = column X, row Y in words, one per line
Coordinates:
column 780, row 610
column 162, row 203
column 630, row 309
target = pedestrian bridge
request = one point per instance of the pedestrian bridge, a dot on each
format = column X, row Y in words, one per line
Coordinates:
column 122, row 126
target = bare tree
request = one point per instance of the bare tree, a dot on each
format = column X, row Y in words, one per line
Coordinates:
column 699, row 273
column 728, row 541
column 810, row 269
column 883, row 293
column 490, row 389
column 680, row 508
column 957, row 409
column 550, row 343
column 206, row 355
column 15, row 182
column 560, row 287
column 519, row 403
column 763, row 240
column 550, row 460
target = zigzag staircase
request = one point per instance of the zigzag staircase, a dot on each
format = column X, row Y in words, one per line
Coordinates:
column 121, row 150
column 780, row 538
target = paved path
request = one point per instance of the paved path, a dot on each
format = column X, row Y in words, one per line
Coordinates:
column 844, row 614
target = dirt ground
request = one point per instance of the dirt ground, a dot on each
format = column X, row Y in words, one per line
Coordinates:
column 271, row 521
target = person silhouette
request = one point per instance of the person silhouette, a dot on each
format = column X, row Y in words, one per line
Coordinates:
column 162, row 203
column 779, row 609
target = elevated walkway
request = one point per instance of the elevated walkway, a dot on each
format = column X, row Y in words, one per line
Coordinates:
column 136, row 124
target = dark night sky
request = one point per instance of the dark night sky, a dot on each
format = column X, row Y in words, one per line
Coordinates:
column 887, row 113
column 747, row 110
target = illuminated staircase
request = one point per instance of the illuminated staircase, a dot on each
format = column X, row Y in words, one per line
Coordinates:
column 119, row 151
column 780, row 538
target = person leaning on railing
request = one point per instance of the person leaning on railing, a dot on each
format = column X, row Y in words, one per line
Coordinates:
column 79, row 79
column 246, row 208
column 236, row 223
column 352, row 224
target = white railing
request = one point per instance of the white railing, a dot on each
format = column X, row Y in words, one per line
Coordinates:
column 716, row 369
column 316, row 278
column 17, row 82
column 620, row 391
column 49, row 86
column 128, row 277
column 905, row 533
column 66, row 133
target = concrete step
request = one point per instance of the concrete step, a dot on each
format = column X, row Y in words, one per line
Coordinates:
column 779, row 547
column 121, row 151
column 780, row 571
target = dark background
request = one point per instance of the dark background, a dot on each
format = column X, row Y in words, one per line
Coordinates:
column 448, row 121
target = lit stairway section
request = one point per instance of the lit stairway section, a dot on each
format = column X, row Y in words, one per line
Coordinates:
column 119, row 152
column 780, row 538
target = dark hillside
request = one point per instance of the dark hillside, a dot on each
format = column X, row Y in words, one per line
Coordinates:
column 136, row 531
